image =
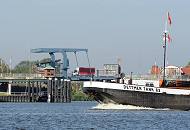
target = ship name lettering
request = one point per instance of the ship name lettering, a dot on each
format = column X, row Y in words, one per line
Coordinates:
column 139, row 88
column 148, row 89
column 157, row 90
column 151, row 89
column 132, row 87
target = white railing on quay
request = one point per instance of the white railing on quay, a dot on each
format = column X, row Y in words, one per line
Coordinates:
column 20, row 76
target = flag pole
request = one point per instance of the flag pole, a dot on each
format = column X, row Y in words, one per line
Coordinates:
column 164, row 75
column 165, row 41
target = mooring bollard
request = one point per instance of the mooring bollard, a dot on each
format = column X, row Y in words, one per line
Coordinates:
column 55, row 90
column 65, row 91
column 61, row 90
column 32, row 91
column 68, row 91
column 28, row 86
column 40, row 85
column 9, row 87
column 37, row 89
column 49, row 90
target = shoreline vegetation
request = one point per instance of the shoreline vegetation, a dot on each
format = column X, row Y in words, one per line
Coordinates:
column 77, row 93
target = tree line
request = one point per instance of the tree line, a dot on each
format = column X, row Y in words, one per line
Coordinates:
column 4, row 67
column 22, row 67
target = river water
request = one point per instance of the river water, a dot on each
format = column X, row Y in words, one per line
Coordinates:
column 89, row 116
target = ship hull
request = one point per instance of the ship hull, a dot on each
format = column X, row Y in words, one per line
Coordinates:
column 143, row 99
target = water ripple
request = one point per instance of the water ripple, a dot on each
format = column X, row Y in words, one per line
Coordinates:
column 83, row 116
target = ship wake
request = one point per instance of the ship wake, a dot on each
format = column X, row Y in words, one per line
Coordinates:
column 112, row 106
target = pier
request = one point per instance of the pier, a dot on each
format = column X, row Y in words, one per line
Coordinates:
column 36, row 90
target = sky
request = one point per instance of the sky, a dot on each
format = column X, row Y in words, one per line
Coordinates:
column 130, row 30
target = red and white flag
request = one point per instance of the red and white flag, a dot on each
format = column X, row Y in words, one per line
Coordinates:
column 169, row 38
column 169, row 19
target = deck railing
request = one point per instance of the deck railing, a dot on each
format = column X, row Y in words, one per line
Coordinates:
column 157, row 77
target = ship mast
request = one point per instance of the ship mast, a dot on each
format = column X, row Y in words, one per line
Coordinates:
column 166, row 39
column 164, row 46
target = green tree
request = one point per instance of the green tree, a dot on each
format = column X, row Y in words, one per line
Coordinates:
column 188, row 63
column 4, row 68
column 31, row 66
column 77, row 93
column 25, row 67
